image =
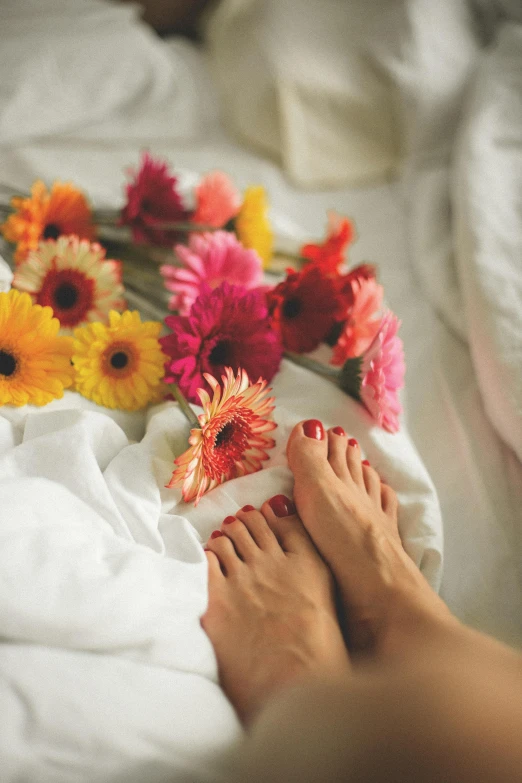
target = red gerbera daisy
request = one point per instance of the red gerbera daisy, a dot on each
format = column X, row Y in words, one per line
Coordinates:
column 305, row 307
column 331, row 254
column 152, row 199
column 228, row 326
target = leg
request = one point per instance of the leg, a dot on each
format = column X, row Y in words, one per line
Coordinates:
column 271, row 614
column 352, row 519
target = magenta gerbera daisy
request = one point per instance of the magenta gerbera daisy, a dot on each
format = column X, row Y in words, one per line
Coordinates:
column 73, row 277
column 227, row 327
column 152, row 199
column 210, row 259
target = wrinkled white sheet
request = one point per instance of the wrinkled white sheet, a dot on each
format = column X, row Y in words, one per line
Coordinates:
column 103, row 578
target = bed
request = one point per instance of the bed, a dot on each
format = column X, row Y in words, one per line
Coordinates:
column 105, row 672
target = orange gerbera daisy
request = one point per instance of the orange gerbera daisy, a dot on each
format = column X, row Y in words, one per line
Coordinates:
column 231, row 440
column 47, row 215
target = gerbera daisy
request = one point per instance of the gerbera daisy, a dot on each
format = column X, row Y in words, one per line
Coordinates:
column 363, row 321
column 227, row 327
column 44, row 215
column 330, row 255
column 305, row 308
column 252, row 225
column 375, row 377
column 231, row 440
column 210, row 258
column 35, row 363
column 120, row 365
column 74, row 278
column 217, row 200
column 152, row 199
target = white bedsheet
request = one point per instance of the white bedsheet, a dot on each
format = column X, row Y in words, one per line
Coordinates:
column 106, row 674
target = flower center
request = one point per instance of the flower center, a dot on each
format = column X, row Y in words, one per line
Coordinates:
column 51, row 231
column 221, row 353
column 292, row 307
column 224, row 436
column 119, row 360
column 66, row 296
column 7, row 364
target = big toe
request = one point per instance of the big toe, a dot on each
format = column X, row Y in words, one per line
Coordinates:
column 307, row 451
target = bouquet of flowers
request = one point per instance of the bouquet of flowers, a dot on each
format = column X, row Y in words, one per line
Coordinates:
column 65, row 323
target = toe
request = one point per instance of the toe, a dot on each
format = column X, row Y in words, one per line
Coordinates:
column 240, row 536
column 281, row 517
column 307, row 451
column 389, row 502
column 372, row 482
column 258, row 529
column 353, row 461
column 224, row 550
column 337, row 445
column 215, row 574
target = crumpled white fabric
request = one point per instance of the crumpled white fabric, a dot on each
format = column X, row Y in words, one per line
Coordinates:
column 103, row 578
column 6, row 275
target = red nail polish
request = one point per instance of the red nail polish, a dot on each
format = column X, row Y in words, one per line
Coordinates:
column 229, row 520
column 281, row 506
column 206, row 550
column 248, row 507
column 352, row 442
column 216, row 534
column 339, row 431
column 313, row 429
column 365, row 462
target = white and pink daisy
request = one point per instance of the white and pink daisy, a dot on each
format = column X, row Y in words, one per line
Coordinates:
column 210, row 259
column 74, row 278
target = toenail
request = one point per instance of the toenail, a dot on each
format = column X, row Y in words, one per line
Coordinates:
column 313, row 429
column 339, row 431
column 248, row 507
column 216, row 534
column 281, row 506
column 229, row 520
column 352, row 442
column 365, row 462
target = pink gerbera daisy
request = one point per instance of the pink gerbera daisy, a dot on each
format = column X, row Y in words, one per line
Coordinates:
column 231, row 440
column 375, row 377
column 210, row 259
column 217, row 200
column 227, row 327
column 153, row 199
column 363, row 320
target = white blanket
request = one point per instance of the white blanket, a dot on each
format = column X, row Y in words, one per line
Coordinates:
column 105, row 669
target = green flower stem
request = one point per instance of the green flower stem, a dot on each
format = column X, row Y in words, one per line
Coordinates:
column 311, row 364
column 185, row 407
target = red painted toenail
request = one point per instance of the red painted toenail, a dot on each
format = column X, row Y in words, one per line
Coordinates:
column 229, row 520
column 313, row 429
column 339, row 431
column 352, row 442
column 365, row 462
column 281, row 506
column 216, row 534
column 248, row 507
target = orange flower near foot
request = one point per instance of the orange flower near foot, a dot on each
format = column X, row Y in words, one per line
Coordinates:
column 331, row 254
column 47, row 215
column 232, row 440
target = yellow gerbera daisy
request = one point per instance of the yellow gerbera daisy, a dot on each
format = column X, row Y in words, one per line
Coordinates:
column 74, row 278
column 35, row 363
column 252, row 225
column 47, row 215
column 120, row 365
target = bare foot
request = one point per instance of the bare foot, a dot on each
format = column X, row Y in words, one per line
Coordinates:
column 271, row 616
column 351, row 517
